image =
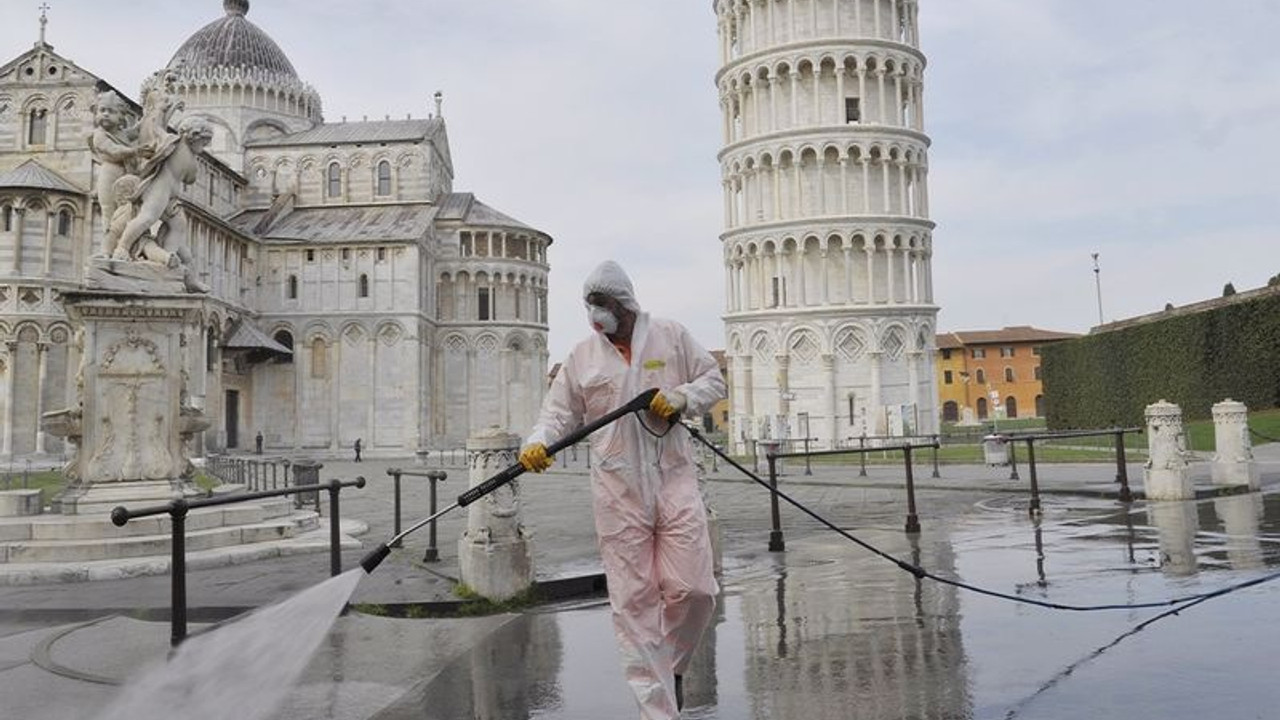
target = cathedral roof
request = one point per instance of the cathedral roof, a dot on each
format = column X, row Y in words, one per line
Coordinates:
column 344, row 224
column 376, row 131
column 33, row 175
column 466, row 209
column 232, row 42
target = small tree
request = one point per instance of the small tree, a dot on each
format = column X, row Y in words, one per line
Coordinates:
column 1228, row 290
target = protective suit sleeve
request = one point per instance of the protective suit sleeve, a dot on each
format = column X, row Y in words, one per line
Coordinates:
column 705, row 386
column 562, row 409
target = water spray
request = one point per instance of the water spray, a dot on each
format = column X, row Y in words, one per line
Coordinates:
column 637, row 404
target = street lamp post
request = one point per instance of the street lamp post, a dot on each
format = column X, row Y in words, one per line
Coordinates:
column 1097, row 281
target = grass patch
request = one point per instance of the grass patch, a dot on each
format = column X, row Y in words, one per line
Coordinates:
column 48, row 482
column 473, row 604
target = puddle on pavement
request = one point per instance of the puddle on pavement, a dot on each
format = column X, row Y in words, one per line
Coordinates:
column 828, row 631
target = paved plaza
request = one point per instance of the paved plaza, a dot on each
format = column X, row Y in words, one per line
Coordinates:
column 824, row 629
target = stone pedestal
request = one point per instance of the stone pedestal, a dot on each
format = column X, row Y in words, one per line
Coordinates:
column 1165, row 475
column 132, row 421
column 1233, row 459
column 493, row 554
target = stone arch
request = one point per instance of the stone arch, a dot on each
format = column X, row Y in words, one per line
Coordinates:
column 804, row 345
column 390, row 332
column 456, row 344
column 850, row 342
column 893, row 340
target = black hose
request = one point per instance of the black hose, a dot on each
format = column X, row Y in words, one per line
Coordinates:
column 921, row 573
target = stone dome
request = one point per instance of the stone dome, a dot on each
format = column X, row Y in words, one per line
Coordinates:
column 232, row 42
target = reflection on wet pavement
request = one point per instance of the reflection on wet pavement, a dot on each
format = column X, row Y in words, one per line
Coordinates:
column 826, row 630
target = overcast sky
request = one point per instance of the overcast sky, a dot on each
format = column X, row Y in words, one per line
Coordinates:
column 1143, row 130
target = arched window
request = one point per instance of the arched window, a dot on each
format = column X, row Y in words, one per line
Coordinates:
column 950, row 411
column 384, row 178
column 981, row 377
column 335, row 180
column 982, row 408
column 64, row 223
column 37, row 128
column 1038, row 377
column 364, row 285
column 1008, row 374
column 1039, row 406
column 291, row 290
column 1011, row 407
column 285, row 338
column 319, row 358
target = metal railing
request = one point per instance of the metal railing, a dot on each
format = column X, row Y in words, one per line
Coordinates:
column 433, row 476
column 254, row 473
column 1122, row 468
column 177, row 510
column 871, row 443
column 776, row 541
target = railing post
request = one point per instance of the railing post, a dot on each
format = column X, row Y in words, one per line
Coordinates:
column 807, row 469
column 395, row 476
column 1122, row 469
column 335, row 521
column 913, row 521
column 178, row 572
column 862, row 456
column 937, row 441
column 433, row 554
column 1035, row 486
column 1013, row 459
column 588, row 456
column 776, row 543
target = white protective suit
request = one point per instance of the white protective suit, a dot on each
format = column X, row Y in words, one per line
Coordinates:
column 651, row 525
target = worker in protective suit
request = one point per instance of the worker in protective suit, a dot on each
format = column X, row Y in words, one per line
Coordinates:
column 651, row 525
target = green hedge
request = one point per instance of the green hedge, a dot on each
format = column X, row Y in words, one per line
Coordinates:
column 1192, row 360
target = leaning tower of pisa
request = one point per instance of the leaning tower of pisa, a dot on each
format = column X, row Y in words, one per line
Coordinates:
column 827, row 243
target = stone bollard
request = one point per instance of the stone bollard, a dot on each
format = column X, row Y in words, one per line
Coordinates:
column 1233, row 459
column 1165, row 474
column 494, row 555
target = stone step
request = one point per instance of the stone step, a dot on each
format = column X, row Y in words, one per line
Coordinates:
column 98, row 527
column 61, row 551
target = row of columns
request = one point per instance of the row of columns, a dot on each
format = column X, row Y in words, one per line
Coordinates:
column 498, row 245
column 744, row 30
column 829, row 407
column 17, row 235
column 743, row 115
column 226, row 93
column 529, row 306
column 750, row 278
column 508, row 361
column 42, row 373
column 756, row 193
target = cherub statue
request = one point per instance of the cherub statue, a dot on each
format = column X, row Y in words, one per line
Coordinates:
column 113, row 144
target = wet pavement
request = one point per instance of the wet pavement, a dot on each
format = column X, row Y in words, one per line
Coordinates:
column 823, row 630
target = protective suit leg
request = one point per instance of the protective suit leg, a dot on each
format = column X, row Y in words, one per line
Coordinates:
column 627, row 546
column 685, row 568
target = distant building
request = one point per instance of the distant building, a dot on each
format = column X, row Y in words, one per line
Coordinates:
column 716, row 419
column 988, row 373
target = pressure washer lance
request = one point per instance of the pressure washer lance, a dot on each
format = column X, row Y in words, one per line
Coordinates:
column 640, row 402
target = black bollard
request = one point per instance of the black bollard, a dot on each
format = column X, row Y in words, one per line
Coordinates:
column 1035, row 486
column 432, row 554
column 913, row 520
column 395, row 476
column 776, row 543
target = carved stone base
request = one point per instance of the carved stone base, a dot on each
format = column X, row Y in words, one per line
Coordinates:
column 495, row 570
column 144, row 278
column 102, row 497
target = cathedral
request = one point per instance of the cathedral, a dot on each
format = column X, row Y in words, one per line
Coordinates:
column 358, row 295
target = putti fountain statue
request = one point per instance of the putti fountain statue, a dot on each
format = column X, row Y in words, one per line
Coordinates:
column 140, row 314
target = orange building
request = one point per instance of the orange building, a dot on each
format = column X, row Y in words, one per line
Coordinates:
column 992, row 373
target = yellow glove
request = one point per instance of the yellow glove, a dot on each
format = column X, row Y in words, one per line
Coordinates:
column 534, row 457
column 667, row 405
